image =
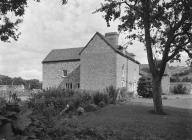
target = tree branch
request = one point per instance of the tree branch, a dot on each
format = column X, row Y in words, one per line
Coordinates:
column 177, row 51
column 132, row 6
column 170, row 39
column 188, row 52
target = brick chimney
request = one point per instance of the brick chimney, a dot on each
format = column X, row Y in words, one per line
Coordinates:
column 112, row 38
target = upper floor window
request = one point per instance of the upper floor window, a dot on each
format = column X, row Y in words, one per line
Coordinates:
column 64, row 73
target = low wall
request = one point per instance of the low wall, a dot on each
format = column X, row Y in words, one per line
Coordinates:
column 188, row 86
column 23, row 95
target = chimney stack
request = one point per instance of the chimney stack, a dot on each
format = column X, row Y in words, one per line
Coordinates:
column 112, row 38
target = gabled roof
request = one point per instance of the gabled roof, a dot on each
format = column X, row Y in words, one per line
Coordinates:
column 73, row 54
column 60, row 55
column 115, row 48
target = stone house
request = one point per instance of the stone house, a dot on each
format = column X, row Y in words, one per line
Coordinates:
column 100, row 64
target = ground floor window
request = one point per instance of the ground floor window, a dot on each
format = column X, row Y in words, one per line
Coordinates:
column 78, row 85
column 69, row 85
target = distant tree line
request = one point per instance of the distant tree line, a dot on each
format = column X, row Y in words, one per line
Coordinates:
column 28, row 84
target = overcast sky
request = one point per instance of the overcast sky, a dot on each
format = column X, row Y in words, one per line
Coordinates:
column 49, row 25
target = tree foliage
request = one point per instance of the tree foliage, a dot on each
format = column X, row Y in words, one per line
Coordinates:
column 8, row 25
column 169, row 22
column 29, row 84
column 11, row 14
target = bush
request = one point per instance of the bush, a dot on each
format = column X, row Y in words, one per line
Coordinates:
column 112, row 92
column 90, row 107
column 144, row 88
column 98, row 97
column 180, row 89
column 13, row 120
column 51, row 102
column 86, row 98
column 101, row 104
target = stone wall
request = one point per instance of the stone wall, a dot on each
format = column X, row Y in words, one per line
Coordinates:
column 133, row 76
column 130, row 76
column 98, row 66
column 53, row 72
column 72, row 78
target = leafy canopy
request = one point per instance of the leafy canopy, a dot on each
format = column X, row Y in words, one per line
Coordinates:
column 11, row 12
column 169, row 23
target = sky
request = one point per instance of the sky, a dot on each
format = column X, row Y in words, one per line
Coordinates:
column 49, row 25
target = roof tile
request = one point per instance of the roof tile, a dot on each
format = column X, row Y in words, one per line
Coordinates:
column 58, row 55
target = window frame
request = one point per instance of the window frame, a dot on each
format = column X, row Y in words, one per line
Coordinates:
column 65, row 73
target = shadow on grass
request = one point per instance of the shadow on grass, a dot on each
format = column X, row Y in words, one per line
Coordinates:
column 155, row 113
column 140, row 122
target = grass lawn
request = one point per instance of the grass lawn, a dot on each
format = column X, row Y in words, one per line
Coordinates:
column 135, row 122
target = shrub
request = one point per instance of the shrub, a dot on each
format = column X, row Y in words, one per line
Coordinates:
column 74, row 102
column 51, row 102
column 90, row 107
column 101, row 104
column 86, row 98
column 144, row 88
column 180, row 89
column 112, row 92
column 80, row 110
column 98, row 97
column 13, row 120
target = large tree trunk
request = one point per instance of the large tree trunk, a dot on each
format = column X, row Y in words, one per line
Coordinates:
column 156, row 89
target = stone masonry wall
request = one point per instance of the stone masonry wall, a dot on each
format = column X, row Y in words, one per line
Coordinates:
column 73, row 78
column 130, row 75
column 98, row 66
column 53, row 72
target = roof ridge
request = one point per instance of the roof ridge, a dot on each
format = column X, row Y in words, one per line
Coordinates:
column 110, row 45
column 81, row 49
column 116, row 50
column 68, row 48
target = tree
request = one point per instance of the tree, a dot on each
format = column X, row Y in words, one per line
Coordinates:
column 8, row 25
column 164, row 26
column 33, row 84
column 11, row 12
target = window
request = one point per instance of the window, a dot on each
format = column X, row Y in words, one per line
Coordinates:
column 64, row 73
column 69, row 86
column 78, row 85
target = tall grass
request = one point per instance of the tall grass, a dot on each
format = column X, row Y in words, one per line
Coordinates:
column 112, row 92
